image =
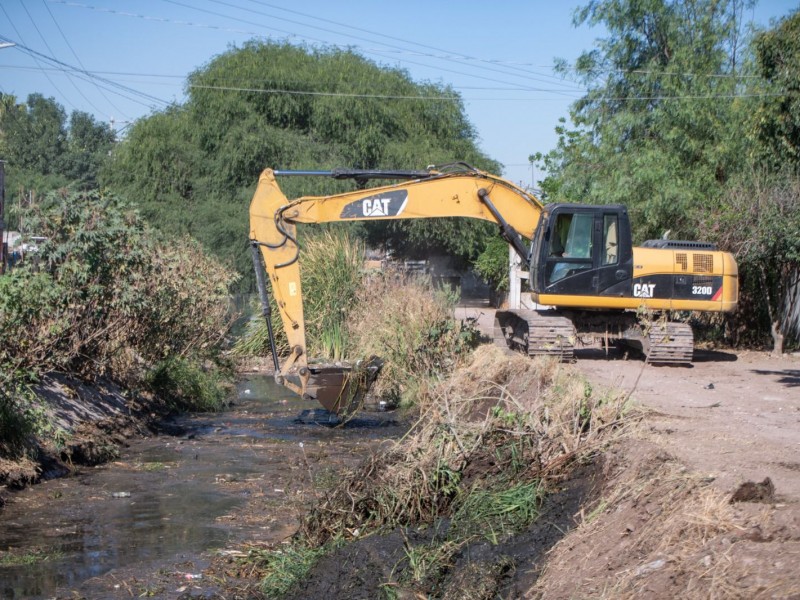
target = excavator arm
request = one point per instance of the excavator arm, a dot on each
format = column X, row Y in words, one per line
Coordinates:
column 455, row 191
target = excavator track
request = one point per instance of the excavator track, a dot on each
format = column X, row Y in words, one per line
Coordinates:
column 671, row 343
column 535, row 333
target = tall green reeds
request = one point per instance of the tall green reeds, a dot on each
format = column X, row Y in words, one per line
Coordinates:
column 331, row 275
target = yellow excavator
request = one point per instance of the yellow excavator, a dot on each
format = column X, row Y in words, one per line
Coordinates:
column 582, row 266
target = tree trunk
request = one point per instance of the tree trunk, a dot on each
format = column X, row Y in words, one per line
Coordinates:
column 777, row 339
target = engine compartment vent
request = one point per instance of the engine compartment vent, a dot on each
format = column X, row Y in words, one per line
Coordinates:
column 679, row 245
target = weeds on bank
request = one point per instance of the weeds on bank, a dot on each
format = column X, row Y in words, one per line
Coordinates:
column 104, row 296
column 350, row 314
column 331, row 275
column 33, row 556
column 187, row 386
column 286, row 566
column 488, row 442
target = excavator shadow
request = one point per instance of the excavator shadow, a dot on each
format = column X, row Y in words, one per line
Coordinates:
column 621, row 353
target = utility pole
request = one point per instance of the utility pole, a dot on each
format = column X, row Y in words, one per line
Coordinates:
column 3, row 242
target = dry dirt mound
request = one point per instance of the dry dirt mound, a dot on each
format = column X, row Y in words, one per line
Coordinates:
column 658, row 530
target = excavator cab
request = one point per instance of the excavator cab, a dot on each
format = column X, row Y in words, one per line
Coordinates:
column 582, row 250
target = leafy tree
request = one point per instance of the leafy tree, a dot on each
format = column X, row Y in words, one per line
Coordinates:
column 659, row 129
column 44, row 152
column 88, row 146
column 35, row 135
column 193, row 167
column 759, row 220
column 777, row 121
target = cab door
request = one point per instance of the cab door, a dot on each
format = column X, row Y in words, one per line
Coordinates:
column 585, row 251
column 568, row 261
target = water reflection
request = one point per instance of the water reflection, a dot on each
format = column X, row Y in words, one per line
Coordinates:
column 164, row 496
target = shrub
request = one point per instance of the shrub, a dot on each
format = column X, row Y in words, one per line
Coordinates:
column 410, row 324
column 492, row 264
column 186, row 386
column 103, row 288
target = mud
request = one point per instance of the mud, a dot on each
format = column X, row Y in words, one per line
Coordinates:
column 150, row 522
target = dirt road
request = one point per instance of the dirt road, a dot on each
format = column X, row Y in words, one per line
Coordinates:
column 731, row 416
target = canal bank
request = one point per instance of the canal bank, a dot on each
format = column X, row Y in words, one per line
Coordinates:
column 149, row 522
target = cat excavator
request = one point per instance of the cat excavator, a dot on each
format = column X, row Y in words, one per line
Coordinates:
column 584, row 271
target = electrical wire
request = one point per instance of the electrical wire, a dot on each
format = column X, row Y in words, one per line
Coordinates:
column 47, row 45
column 37, row 62
column 119, row 89
column 75, row 54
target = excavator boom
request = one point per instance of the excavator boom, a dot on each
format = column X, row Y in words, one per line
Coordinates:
column 457, row 190
column 582, row 263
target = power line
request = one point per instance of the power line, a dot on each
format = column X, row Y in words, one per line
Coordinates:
column 334, row 94
column 120, row 90
column 37, row 62
column 511, row 64
column 291, row 35
column 371, row 41
column 75, row 54
column 39, row 31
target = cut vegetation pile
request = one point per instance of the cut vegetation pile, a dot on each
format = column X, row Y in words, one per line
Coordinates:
column 490, row 452
column 521, row 480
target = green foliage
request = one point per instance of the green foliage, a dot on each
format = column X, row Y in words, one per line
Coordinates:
column 45, row 153
column 331, row 276
column 102, row 286
column 186, row 386
column 495, row 512
column 286, row 567
column 777, row 120
column 659, row 129
column 759, row 220
column 192, row 168
column 17, row 420
column 104, row 296
column 492, row 264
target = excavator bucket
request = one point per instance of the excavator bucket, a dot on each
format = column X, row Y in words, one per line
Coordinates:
column 341, row 387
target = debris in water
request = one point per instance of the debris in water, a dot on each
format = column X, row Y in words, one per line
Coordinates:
column 121, row 495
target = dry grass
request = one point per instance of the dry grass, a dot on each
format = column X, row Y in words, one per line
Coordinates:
column 500, row 419
column 662, row 531
column 410, row 325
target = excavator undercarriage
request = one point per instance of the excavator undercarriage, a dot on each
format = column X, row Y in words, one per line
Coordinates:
column 556, row 332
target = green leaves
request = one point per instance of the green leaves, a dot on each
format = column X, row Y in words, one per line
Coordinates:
column 193, row 168
column 659, row 129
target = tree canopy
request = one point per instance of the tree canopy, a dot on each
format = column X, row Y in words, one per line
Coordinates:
column 694, row 124
column 193, row 168
column 44, row 150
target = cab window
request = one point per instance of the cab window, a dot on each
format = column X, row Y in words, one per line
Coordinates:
column 571, row 239
column 610, row 241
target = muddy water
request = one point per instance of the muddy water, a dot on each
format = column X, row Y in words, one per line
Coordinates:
column 170, row 501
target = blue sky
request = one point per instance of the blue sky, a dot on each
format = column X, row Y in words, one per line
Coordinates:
column 498, row 55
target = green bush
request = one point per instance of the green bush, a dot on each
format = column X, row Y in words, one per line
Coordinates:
column 103, row 294
column 492, row 264
column 17, row 421
column 186, row 386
